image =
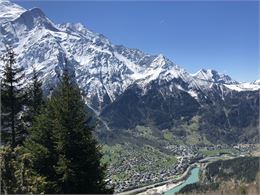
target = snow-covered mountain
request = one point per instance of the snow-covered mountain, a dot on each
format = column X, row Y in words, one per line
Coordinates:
column 214, row 76
column 127, row 87
column 102, row 69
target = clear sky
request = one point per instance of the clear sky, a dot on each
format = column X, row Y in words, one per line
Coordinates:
column 218, row 35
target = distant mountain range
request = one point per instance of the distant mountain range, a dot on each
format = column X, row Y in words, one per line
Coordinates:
column 126, row 87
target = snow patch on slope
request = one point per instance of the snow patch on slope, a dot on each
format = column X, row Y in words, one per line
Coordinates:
column 243, row 87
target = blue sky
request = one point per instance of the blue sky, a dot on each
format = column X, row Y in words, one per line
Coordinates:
column 204, row 34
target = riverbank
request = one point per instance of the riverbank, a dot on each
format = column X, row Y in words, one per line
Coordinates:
column 162, row 186
column 161, row 189
column 171, row 183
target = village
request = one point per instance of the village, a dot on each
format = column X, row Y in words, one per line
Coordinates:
column 130, row 164
column 142, row 170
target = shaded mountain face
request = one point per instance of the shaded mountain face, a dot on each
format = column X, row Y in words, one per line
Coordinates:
column 158, row 106
column 127, row 87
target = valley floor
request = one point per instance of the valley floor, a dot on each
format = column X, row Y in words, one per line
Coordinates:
column 138, row 175
column 165, row 186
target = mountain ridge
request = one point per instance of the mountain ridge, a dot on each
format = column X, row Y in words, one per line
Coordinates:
column 112, row 76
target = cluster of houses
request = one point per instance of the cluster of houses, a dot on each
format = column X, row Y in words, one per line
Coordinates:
column 182, row 150
column 245, row 149
column 141, row 169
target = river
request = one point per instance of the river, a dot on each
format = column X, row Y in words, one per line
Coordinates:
column 193, row 178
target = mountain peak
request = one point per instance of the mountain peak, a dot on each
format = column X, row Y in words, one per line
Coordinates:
column 211, row 75
column 32, row 18
column 5, row 2
column 9, row 10
column 207, row 71
column 256, row 82
column 73, row 26
column 37, row 12
column 160, row 60
column 79, row 26
column 161, row 56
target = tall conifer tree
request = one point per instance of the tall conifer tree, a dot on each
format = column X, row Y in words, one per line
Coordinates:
column 35, row 99
column 12, row 99
column 62, row 143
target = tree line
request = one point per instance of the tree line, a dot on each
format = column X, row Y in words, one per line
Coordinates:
column 47, row 143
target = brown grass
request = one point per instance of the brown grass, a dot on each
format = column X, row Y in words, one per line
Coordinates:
column 234, row 188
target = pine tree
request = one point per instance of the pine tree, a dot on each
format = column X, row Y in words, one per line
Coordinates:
column 72, row 157
column 35, row 99
column 36, row 93
column 12, row 99
column 17, row 173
